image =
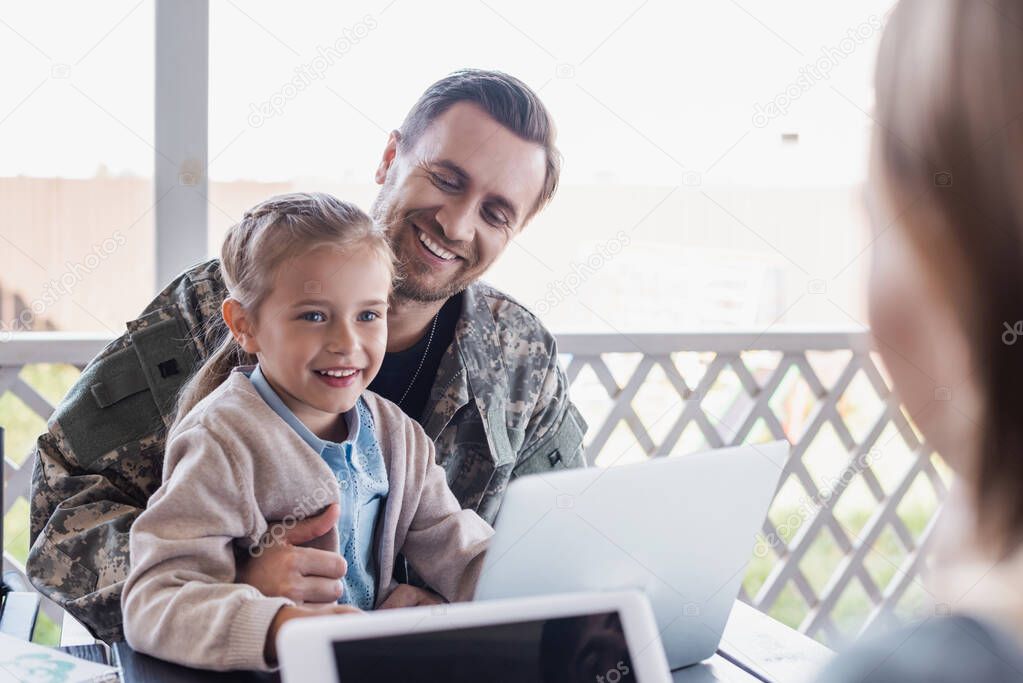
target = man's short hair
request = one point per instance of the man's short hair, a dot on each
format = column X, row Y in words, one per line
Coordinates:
column 506, row 99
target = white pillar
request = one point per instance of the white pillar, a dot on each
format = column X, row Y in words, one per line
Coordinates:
column 182, row 97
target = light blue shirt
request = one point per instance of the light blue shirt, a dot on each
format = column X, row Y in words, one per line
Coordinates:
column 358, row 465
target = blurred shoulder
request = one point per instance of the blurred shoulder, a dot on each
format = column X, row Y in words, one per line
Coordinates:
column 938, row 650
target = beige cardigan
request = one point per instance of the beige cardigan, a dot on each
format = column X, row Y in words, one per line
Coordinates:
column 231, row 465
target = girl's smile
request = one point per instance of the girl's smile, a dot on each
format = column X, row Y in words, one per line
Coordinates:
column 338, row 377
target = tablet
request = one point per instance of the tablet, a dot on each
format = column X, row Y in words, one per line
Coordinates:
column 589, row 637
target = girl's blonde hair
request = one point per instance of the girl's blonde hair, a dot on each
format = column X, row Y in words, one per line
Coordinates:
column 278, row 229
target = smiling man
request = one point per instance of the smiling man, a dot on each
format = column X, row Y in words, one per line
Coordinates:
column 473, row 162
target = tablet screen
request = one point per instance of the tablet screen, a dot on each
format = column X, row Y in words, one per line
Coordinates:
column 590, row 648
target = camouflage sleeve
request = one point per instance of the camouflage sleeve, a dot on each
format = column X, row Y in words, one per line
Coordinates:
column 74, row 510
column 102, row 455
column 554, row 435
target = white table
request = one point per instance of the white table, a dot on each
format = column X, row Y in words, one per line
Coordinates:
column 756, row 647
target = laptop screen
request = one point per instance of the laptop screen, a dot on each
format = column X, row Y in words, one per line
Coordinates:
column 581, row 648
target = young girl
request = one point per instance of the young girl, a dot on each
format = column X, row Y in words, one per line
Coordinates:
column 287, row 433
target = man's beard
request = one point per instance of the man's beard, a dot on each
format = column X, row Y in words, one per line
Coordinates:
column 409, row 284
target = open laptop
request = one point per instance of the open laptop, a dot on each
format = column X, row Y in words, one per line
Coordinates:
column 582, row 637
column 679, row 529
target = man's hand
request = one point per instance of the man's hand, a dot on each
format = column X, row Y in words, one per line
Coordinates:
column 410, row 596
column 304, row 575
column 287, row 613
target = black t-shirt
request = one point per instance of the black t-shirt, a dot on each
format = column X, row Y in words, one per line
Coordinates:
column 398, row 368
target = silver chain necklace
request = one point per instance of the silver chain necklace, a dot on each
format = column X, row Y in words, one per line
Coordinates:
column 433, row 328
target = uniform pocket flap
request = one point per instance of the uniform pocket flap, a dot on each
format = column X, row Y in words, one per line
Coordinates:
column 558, row 450
column 102, row 412
column 114, row 389
column 167, row 354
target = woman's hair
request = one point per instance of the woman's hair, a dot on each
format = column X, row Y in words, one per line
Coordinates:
column 949, row 151
column 269, row 234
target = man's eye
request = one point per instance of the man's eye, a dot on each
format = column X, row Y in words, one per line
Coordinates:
column 314, row 317
column 368, row 316
column 495, row 217
column 444, row 184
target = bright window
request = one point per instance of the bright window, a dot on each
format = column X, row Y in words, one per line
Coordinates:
column 76, row 164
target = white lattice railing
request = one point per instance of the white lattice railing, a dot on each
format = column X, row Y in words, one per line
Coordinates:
column 846, row 538
column 17, row 352
column 821, row 378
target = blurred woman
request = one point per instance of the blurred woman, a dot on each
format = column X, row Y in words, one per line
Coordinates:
column 946, row 293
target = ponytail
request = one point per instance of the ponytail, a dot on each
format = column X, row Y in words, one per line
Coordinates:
column 214, row 371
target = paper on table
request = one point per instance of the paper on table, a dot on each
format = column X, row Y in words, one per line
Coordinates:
column 22, row 662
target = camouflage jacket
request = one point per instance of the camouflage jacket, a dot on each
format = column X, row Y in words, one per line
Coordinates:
column 498, row 409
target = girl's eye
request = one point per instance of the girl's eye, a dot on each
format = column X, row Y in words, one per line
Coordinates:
column 368, row 316
column 314, row 317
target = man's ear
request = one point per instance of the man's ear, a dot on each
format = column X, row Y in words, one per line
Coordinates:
column 240, row 323
column 390, row 151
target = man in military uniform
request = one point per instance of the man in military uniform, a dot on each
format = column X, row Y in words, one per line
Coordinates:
column 471, row 164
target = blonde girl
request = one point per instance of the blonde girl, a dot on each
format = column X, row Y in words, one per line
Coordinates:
column 278, row 425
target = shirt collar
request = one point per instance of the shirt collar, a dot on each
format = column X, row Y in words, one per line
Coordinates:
column 263, row 388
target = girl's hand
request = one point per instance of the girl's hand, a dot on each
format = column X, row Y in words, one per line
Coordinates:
column 289, row 612
column 410, row 596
